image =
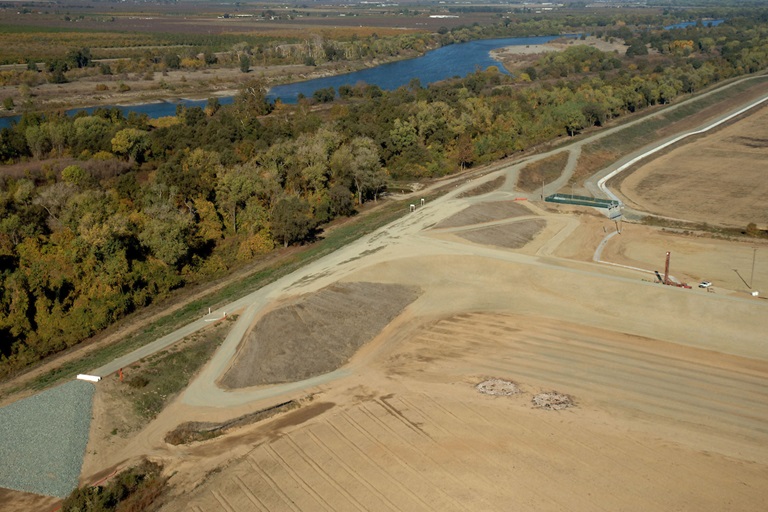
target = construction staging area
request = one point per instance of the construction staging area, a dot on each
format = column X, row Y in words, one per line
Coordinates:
column 505, row 365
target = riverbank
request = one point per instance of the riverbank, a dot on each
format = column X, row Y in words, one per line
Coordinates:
column 519, row 56
column 130, row 89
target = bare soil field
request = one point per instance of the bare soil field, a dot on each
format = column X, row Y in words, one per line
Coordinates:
column 415, row 434
column 719, row 178
column 667, row 408
column 693, row 258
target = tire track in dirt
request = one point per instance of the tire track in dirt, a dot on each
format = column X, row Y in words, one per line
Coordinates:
column 357, row 475
column 476, row 459
column 296, row 476
column 725, row 383
column 263, row 486
column 255, row 501
column 638, row 464
column 590, row 457
column 222, row 501
column 439, row 499
column 537, row 468
column 721, row 399
column 270, row 480
column 377, row 465
column 340, row 488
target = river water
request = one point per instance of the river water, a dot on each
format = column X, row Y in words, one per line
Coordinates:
column 446, row 62
column 434, row 66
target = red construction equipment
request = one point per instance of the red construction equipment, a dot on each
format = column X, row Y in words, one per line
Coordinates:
column 668, row 280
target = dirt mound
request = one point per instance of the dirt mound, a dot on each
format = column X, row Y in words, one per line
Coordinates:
column 485, row 212
column 553, row 401
column 498, row 387
column 511, row 236
column 317, row 333
column 191, row 431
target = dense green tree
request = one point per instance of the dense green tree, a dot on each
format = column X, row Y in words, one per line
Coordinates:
column 167, row 233
column 291, row 220
column 131, row 142
column 245, row 63
column 79, row 58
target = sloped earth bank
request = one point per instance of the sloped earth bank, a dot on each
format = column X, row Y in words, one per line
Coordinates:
column 317, row 333
column 514, row 235
column 485, row 212
column 719, row 178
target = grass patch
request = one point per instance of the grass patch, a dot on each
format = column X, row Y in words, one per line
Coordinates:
column 687, row 228
column 153, row 381
column 543, row 171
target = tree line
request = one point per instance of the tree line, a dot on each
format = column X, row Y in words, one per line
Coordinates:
column 122, row 210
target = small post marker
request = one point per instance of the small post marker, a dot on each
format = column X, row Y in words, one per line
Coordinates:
column 413, row 207
column 422, row 201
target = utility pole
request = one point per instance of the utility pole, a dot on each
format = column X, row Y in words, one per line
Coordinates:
column 752, row 275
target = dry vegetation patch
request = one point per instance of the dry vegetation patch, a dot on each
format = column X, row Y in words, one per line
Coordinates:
column 543, row 171
column 514, row 235
column 488, row 186
column 485, row 212
column 148, row 386
column 316, row 333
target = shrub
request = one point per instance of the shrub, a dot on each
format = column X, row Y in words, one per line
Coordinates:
column 134, row 489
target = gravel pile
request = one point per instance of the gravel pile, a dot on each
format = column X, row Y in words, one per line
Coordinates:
column 43, row 439
column 553, row 400
column 498, row 387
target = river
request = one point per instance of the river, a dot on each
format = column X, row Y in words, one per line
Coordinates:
column 446, row 62
column 434, row 66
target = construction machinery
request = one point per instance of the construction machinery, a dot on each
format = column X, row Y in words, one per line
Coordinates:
column 669, row 280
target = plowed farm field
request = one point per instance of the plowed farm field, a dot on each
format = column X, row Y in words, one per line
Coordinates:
column 655, row 424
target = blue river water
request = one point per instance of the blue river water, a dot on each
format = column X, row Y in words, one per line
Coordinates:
column 446, row 62
column 434, row 66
